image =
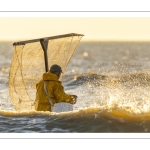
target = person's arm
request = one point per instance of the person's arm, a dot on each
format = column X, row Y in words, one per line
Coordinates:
column 61, row 96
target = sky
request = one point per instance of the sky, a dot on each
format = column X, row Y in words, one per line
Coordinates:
column 94, row 28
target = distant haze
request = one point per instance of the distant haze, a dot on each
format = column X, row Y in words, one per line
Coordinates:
column 94, row 28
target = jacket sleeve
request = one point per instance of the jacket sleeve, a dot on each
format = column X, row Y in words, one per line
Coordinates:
column 60, row 95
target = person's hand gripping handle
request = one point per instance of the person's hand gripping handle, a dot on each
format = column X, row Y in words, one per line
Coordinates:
column 74, row 100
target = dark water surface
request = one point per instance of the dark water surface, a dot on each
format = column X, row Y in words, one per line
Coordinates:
column 112, row 81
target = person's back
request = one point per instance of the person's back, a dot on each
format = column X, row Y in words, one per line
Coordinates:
column 54, row 88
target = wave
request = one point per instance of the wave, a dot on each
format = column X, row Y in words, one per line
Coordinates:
column 87, row 113
column 129, row 93
column 134, row 79
column 121, row 91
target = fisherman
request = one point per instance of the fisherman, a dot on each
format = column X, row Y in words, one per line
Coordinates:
column 50, row 90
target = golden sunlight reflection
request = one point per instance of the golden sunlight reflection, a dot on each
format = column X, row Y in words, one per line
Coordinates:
column 125, row 92
column 85, row 54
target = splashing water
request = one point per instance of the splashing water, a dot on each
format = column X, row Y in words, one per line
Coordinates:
column 127, row 92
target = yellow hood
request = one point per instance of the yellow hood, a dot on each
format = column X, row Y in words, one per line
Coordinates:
column 49, row 76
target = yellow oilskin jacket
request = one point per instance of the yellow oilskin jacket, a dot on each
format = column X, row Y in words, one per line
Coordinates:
column 55, row 91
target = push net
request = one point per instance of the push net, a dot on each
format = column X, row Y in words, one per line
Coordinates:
column 28, row 66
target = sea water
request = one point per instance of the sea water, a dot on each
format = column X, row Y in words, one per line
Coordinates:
column 111, row 80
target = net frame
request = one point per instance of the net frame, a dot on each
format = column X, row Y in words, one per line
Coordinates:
column 46, row 38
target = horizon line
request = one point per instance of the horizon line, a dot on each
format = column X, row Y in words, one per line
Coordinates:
column 90, row 40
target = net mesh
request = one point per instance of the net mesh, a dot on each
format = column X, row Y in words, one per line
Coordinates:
column 28, row 66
